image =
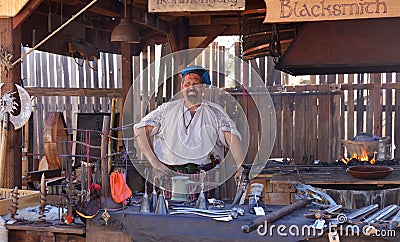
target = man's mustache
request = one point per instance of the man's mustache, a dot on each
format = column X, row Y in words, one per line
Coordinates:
column 191, row 90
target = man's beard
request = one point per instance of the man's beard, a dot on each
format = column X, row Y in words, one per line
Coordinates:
column 193, row 99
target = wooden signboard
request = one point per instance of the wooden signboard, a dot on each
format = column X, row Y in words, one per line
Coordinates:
column 158, row 6
column 281, row 11
column 11, row 8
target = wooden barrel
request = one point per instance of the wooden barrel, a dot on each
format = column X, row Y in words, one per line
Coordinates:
column 54, row 134
column 256, row 35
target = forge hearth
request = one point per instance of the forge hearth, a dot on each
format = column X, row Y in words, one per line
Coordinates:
column 366, row 148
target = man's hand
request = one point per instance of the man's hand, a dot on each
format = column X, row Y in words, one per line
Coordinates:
column 237, row 176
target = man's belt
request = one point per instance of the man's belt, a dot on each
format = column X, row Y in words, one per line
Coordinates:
column 191, row 168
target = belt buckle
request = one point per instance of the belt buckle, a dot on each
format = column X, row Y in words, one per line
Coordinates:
column 191, row 168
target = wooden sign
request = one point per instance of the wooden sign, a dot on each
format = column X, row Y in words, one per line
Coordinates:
column 280, row 11
column 11, row 8
column 195, row 5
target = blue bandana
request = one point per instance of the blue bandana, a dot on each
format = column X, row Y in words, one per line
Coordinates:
column 202, row 72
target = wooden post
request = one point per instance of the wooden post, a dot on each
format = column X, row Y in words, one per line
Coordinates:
column 105, row 178
column 10, row 41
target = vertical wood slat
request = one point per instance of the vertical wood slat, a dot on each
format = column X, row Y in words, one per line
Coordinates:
column 277, row 150
column 261, row 62
column 335, row 127
column 176, row 82
column 397, row 118
column 152, row 79
column 253, row 123
column 82, row 99
column 387, row 125
column 52, row 79
column 145, row 83
column 106, row 78
column 300, row 126
column 287, row 126
column 161, row 78
column 323, row 125
column 242, row 100
column 39, row 107
column 360, row 106
column 168, row 81
column 88, row 78
column 214, row 63
column 377, row 107
column 237, row 65
column 221, row 67
column 68, row 104
column 311, row 115
column 342, row 115
column 370, row 108
column 350, row 110
column 95, row 77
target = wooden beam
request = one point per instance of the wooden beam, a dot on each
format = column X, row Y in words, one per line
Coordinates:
column 25, row 12
column 94, row 9
column 150, row 21
column 89, row 92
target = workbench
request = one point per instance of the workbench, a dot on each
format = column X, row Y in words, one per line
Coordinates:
column 132, row 225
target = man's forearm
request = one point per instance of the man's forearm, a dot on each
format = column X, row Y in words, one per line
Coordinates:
column 235, row 147
column 145, row 145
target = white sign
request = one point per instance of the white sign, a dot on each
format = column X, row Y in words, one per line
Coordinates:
column 195, row 5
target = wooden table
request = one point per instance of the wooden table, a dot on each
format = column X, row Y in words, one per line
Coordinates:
column 45, row 233
column 334, row 175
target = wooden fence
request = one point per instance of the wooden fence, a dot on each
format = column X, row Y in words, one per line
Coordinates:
column 311, row 118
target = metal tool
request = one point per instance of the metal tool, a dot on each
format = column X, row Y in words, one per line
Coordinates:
column 362, row 211
column 153, row 196
column 161, row 207
column 253, row 225
column 200, row 214
column 326, row 213
column 145, row 204
column 7, row 107
column 223, row 219
column 310, row 193
column 201, row 210
column 241, row 187
column 380, row 214
column 201, row 202
column 394, row 222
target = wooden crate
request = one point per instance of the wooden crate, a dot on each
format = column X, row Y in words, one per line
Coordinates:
column 27, row 198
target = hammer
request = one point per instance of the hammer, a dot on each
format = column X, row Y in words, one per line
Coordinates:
column 253, row 225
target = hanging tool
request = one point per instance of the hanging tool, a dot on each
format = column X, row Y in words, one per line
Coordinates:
column 201, row 202
column 145, row 204
column 241, row 187
column 7, row 107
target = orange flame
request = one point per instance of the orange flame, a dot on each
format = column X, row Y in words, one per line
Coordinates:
column 364, row 155
column 373, row 160
column 362, row 158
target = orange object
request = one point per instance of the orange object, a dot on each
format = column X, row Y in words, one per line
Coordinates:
column 119, row 189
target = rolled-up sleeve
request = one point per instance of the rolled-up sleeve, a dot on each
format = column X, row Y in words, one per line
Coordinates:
column 152, row 119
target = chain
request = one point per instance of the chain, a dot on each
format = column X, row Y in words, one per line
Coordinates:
column 240, row 37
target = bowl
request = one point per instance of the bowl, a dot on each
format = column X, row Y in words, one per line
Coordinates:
column 369, row 172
